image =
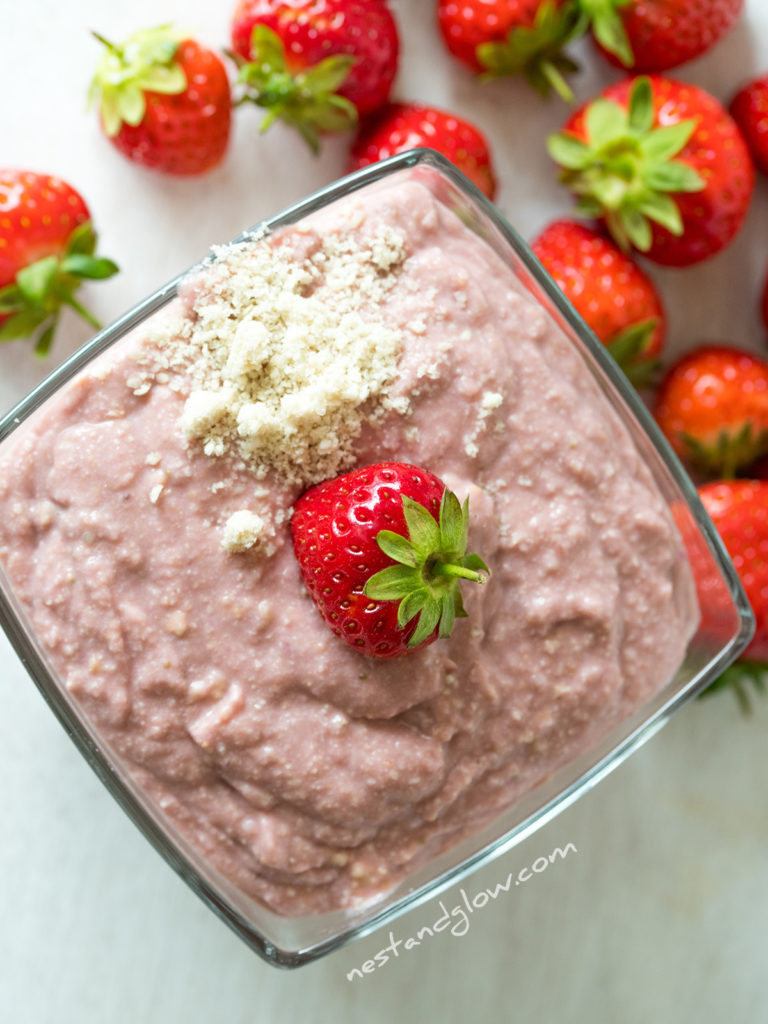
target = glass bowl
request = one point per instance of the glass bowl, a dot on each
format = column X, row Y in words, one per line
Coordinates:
column 724, row 619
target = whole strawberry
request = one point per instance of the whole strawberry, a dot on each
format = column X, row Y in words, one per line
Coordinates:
column 400, row 126
column 318, row 65
column 749, row 109
column 47, row 250
column 663, row 164
column 508, row 37
column 656, row 35
column 617, row 300
column 164, row 101
column 712, row 406
column 381, row 551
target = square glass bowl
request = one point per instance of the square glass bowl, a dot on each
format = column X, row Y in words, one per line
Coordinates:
column 724, row 628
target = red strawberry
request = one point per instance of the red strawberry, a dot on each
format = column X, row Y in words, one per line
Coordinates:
column 656, row 35
column 164, row 101
column 615, row 297
column 316, row 64
column 663, row 164
column 749, row 109
column 401, row 126
column 739, row 510
column 47, row 246
column 712, row 406
column 381, row 551
column 506, row 37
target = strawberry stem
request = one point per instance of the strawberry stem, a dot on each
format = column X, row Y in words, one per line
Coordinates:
column 456, row 571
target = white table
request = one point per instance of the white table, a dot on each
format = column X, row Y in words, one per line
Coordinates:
column 661, row 912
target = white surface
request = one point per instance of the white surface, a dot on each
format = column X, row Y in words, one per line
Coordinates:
column 660, row 915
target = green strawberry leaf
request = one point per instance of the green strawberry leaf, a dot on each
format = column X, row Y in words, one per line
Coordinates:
column 11, row 299
column 411, row 605
column 452, row 523
column 662, row 210
column 109, row 110
column 268, row 50
column 329, row 75
column 424, row 532
column 131, row 104
column 672, row 177
column 568, row 151
column 458, row 605
column 627, row 345
column 664, row 143
column 447, row 615
column 21, row 324
column 335, row 115
column 36, row 280
column 91, row 267
column 608, row 27
column 45, row 339
column 605, row 121
column 637, row 229
column 392, row 583
column 169, row 80
column 609, row 192
column 428, row 619
column 82, row 240
column 396, row 547
column 641, row 107
column 588, row 206
column 475, row 563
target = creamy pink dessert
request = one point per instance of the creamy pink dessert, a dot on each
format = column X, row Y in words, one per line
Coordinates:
column 145, row 529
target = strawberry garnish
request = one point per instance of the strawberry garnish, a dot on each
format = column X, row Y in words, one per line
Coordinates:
column 656, row 35
column 400, row 126
column 508, row 37
column 616, row 299
column 712, row 406
column 47, row 250
column 749, row 109
column 317, row 65
column 164, row 101
column 663, row 164
column 381, row 551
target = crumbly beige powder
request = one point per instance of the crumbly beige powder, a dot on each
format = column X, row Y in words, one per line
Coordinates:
column 281, row 374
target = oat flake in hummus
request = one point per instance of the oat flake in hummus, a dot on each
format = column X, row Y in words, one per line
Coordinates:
column 144, row 525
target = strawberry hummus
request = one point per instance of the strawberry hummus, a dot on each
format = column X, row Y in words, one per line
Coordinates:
column 145, row 530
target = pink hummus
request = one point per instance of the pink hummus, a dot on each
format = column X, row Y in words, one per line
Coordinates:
column 312, row 777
